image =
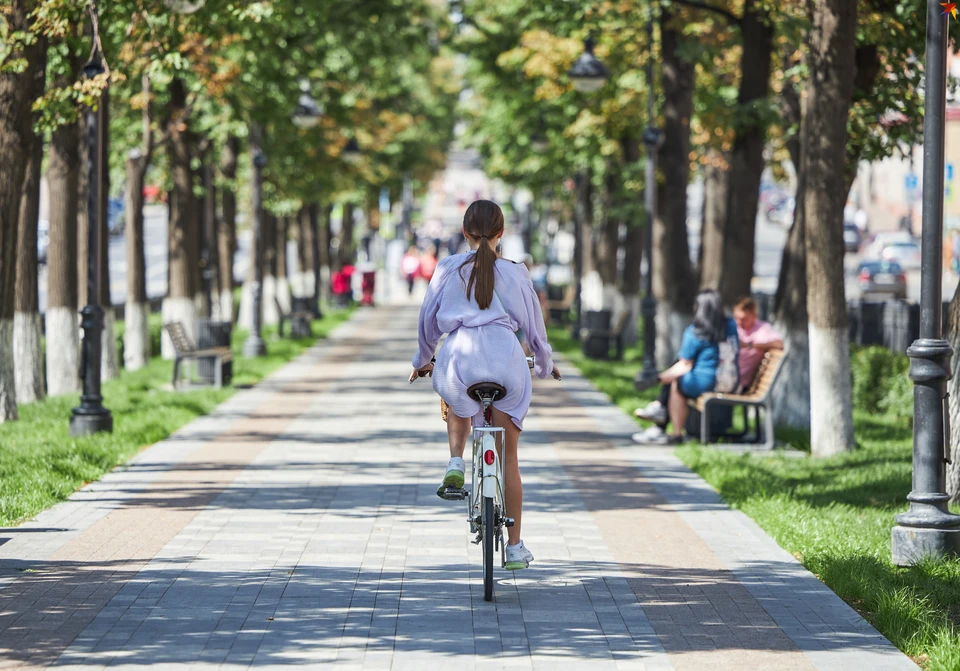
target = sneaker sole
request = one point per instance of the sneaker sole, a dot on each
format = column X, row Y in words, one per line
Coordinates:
column 453, row 479
column 515, row 565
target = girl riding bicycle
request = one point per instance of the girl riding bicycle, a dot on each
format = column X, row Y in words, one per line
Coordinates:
column 481, row 301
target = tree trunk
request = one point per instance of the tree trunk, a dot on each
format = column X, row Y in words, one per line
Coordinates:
column 326, row 258
column 792, row 401
column 316, row 232
column 15, row 121
column 716, row 180
column 62, row 334
column 952, row 334
column 827, row 99
column 270, row 314
column 180, row 305
column 633, row 249
column 673, row 284
column 136, row 334
column 27, row 332
column 211, row 242
column 227, row 240
column 109, row 356
column 746, row 158
column 83, row 214
column 283, row 281
column 346, row 251
column 306, row 223
column 609, row 244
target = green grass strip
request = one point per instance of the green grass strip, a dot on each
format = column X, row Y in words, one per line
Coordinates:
column 40, row 464
column 833, row 514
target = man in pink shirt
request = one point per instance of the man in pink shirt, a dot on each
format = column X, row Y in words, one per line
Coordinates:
column 756, row 338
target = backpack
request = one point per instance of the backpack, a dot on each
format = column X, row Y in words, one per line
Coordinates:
column 728, row 368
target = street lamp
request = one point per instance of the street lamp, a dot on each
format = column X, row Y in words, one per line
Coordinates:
column 588, row 75
column 351, row 153
column 928, row 529
column 90, row 416
column 184, row 6
column 254, row 345
column 307, row 113
column 648, row 375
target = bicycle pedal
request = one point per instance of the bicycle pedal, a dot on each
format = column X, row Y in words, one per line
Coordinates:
column 451, row 493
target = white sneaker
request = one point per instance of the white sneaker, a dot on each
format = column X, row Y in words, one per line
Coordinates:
column 454, row 475
column 654, row 412
column 653, row 434
column 517, row 557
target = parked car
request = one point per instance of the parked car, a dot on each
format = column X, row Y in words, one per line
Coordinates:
column 43, row 240
column 905, row 254
column 851, row 238
column 875, row 249
column 882, row 279
column 115, row 218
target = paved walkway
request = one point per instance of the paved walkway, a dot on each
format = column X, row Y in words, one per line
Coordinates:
column 298, row 525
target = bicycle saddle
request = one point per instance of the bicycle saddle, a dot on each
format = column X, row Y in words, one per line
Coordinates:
column 486, row 389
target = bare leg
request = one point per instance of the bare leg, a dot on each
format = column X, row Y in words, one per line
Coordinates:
column 678, row 410
column 458, row 429
column 513, row 486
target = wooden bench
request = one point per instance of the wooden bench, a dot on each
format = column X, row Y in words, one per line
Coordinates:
column 757, row 396
column 616, row 335
column 185, row 350
column 299, row 321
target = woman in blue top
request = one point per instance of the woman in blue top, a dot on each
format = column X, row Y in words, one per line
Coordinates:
column 695, row 372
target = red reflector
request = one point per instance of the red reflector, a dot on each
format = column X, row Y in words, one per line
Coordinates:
column 488, row 457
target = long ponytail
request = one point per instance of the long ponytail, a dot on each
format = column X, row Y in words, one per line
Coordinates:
column 483, row 221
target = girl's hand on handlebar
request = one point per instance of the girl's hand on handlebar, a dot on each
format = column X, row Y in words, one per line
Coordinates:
column 426, row 371
column 556, row 373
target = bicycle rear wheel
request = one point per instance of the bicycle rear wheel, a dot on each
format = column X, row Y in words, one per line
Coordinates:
column 489, row 531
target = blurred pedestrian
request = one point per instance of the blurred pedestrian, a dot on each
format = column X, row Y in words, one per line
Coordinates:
column 410, row 267
column 428, row 264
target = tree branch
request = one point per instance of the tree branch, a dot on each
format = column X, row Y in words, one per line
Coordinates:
column 727, row 14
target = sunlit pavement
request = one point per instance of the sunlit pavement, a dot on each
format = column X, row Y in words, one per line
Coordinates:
column 298, row 525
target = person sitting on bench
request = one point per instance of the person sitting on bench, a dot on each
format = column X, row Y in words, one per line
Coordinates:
column 700, row 366
column 757, row 337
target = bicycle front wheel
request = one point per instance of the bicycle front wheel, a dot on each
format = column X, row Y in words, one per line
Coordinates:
column 489, row 532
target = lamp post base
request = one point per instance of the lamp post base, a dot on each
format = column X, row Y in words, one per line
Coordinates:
column 83, row 423
column 911, row 545
column 254, row 346
column 646, row 378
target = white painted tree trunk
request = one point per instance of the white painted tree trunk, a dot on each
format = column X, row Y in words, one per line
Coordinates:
column 270, row 315
column 283, row 293
column 8, row 386
column 109, row 357
column 953, row 388
column 245, row 315
column 791, row 394
column 136, row 336
column 831, row 425
column 28, row 357
column 63, row 351
column 223, row 306
column 182, row 310
column 670, row 326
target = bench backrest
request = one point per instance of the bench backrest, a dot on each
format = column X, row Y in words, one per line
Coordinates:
column 766, row 374
column 178, row 335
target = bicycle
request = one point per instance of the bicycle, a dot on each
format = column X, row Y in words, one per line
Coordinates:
column 486, row 504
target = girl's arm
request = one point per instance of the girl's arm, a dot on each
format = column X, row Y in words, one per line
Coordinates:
column 429, row 330
column 677, row 370
column 531, row 321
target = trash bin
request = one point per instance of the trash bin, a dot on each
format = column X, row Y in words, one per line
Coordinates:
column 301, row 304
column 595, row 333
column 211, row 334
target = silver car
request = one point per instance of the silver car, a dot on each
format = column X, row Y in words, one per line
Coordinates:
column 884, row 279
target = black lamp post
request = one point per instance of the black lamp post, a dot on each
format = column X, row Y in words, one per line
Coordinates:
column 648, row 375
column 254, row 345
column 928, row 529
column 351, row 153
column 90, row 416
column 588, row 75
